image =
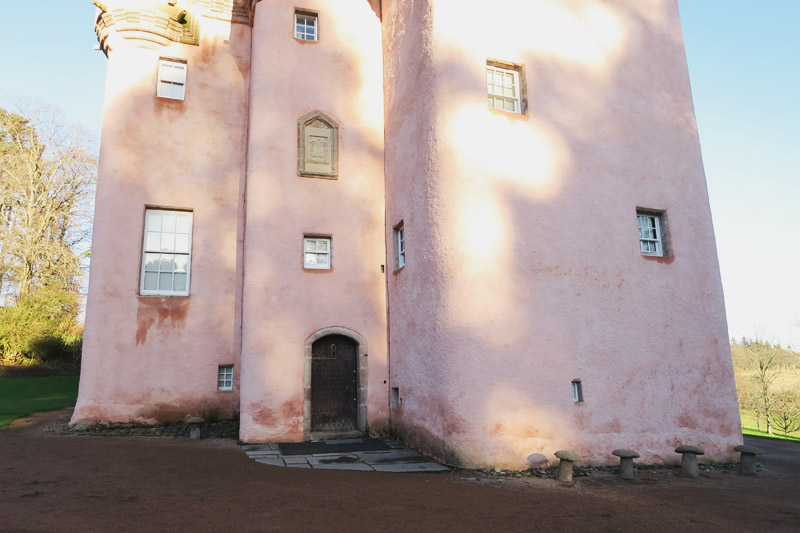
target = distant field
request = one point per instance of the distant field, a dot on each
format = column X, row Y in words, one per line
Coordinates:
column 749, row 428
column 21, row 397
column 786, row 378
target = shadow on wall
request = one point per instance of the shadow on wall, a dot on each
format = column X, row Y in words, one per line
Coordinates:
column 540, row 280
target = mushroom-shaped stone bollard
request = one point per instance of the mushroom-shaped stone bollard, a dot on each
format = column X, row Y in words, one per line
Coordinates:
column 626, row 458
column 194, row 426
column 689, row 460
column 568, row 459
column 747, row 461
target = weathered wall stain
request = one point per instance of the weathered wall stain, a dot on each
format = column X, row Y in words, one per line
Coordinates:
column 158, row 311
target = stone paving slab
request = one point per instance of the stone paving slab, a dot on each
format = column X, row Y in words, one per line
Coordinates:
column 271, row 461
column 341, row 466
column 410, row 467
column 264, row 453
column 393, row 456
column 398, row 458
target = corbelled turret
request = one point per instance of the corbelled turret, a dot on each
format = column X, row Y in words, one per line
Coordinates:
column 160, row 22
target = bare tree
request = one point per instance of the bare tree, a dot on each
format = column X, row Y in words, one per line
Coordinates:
column 763, row 362
column 786, row 411
column 47, row 179
column 750, row 397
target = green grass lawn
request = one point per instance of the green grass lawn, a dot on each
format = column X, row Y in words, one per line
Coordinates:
column 24, row 396
column 749, row 428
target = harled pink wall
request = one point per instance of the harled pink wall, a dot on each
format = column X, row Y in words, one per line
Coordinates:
column 340, row 75
column 523, row 266
column 152, row 358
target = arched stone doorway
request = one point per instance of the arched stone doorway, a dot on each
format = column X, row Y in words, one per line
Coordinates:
column 335, row 382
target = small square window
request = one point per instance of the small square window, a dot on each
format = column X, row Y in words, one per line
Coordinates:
column 505, row 86
column 305, row 26
column 166, row 253
column 399, row 246
column 652, row 233
column 225, row 377
column 317, row 252
column 171, row 79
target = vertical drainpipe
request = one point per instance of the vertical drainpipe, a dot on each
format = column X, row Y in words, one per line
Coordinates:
column 244, row 196
column 388, row 261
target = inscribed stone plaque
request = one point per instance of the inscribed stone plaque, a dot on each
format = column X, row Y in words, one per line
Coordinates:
column 317, row 146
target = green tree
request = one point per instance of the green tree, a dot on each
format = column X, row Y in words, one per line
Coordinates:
column 47, row 178
column 41, row 327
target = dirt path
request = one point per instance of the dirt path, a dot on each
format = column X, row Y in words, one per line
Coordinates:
column 53, row 482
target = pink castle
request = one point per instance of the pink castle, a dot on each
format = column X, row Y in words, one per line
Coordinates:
column 483, row 229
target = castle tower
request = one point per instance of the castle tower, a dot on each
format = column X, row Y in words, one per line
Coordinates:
column 560, row 286
column 165, row 282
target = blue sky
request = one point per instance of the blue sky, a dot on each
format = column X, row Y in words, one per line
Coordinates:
column 744, row 63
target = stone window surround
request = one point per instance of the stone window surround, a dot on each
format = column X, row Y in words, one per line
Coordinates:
column 361, row 416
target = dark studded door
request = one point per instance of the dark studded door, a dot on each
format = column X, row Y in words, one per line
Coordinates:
column 334, row 384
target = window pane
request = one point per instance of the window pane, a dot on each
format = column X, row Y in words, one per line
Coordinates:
column 183, row 222
column 311, row 246
column 180, row 282
column 181, row 243
column 168, row 222
column 167, row 263
column 168, row 242
column 153, row 241
column 181, row 262
column 179, row 91
column 311, row 259
column 322, row 246
column 154, row 221
column 322, row 259
column 151, row 262
column 165, row 281
column 179, row 74
column 150, row 281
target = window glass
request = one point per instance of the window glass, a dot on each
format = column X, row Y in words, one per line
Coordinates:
column 305, row 26
column 503, row 88
column 166, row 252
column 317, row 252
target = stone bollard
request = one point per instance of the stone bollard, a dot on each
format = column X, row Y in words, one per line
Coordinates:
column 568, row 459
column 747, row 461
column 194, row 426
column 626, row 458
column 689, row 460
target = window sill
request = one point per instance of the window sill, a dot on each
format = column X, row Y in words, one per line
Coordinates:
column 306, row 41
column 665, row 259
column 513, row 115
column 317, row 270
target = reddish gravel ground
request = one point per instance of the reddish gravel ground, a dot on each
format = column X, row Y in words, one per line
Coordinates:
column 54, row 482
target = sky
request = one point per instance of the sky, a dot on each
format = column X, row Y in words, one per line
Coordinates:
column 744, row 65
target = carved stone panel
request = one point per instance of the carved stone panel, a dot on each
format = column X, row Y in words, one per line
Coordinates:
column 317, row 146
